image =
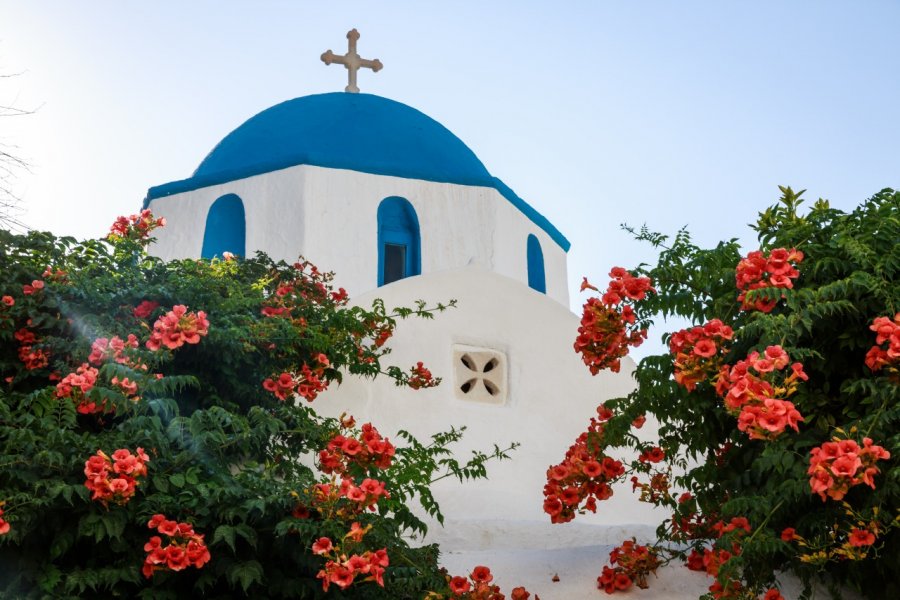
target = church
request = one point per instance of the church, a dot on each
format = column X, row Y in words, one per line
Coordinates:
column 401, row 209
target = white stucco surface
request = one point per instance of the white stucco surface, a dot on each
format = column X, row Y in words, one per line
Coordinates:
column 330, row 217
column 551, row 394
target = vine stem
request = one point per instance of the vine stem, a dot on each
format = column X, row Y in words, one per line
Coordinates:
column 766, row 520
column 875, row 418
column 497, row 455
column 11, row 507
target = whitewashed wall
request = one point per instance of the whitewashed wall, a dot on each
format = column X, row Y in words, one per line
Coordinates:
column 330, row 217
column 552, row 394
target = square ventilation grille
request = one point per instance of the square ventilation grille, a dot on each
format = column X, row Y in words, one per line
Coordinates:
column 479, row 375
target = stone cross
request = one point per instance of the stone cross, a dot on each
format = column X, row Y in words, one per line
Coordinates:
column 352, row 61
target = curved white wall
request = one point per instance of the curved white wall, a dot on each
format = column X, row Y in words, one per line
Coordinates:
column 552, row 395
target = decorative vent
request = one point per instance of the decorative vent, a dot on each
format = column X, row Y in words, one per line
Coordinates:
column 479, row 374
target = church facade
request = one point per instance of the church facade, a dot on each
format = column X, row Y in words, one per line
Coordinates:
column 401, row 209
column 405, row 194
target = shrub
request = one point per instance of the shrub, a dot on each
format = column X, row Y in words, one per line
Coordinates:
column 778, row 408
column 156, row 436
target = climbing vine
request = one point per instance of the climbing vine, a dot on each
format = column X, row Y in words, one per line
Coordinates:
column 778, row 409
column 158, row 437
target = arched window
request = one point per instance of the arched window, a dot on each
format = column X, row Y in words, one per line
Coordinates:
column 399, row 245
column 536, row 279
column 226, row 228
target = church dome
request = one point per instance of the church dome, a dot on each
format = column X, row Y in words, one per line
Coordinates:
column 361, row 132
column 358, row 132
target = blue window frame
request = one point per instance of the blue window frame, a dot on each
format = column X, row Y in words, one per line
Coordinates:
column 399, row 241
column 226, row 228
column 536, row 279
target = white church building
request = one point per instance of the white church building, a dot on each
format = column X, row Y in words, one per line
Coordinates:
column 401, row 209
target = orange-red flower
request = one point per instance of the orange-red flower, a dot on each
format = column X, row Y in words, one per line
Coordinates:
column 4, row 525
column 459, row 585
column 757, row 271
column 144, row 309
column 632, row 563
column 886, row 351
column 606, row 331
column 861, row 537
column 420, row 377
column 653, row 455
column 481, row 574
column 186, row 547
column 698, row 352
column 838, row 465
column 135, row 227
column 322, row 546
column 583, row 476
column 754, row 390
column 178, row 327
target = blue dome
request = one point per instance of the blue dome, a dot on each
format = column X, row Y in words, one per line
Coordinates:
column 361, row 132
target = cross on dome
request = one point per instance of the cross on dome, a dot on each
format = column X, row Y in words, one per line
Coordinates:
column 351, row 61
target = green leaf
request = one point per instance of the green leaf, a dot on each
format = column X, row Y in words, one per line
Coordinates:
column 49, row 579
column 61, row 543
column 161, row 483
column 247, row 573
column 248, row 533
column 224, row 533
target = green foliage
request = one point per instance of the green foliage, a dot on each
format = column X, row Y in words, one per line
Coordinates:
column 849, row 276
column 226, row 455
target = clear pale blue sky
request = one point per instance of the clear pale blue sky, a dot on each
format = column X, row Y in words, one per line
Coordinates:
column 597, row 113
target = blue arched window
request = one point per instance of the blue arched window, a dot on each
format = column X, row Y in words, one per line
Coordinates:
column 399, row 243
column 226, row 228
column 536, row 280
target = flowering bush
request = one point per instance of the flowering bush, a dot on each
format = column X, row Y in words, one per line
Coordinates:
column 206, row 369
column 778, row 416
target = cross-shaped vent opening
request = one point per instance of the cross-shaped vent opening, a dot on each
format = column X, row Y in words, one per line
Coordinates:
column 480, row 374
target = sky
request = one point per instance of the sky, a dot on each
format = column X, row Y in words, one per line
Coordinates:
column 597, row 113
